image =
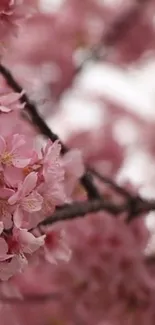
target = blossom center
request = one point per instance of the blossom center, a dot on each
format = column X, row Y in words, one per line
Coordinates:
column 13, row 245
column 3, row 207
column 6, row 158
column 28, row 204
column 52, row 239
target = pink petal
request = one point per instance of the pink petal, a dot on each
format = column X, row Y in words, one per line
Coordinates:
column 5, row 193
column 17, row 141
column 14, row 199
column 2, row 145
column 13, row 176
column 53, row 192
column 10, row 98
column 73, row 163
column 28, row 241
column 58, row 195
column 56, row 246
column 50, row 257
column 32, row 202
column 61, row 255
column 20, row 162
column 5, row 257
column 7, row 270
column 52, row 151
column 29, row 183
column 5, row 109
column 24, row 188
column 1, row 227
column 18, row 217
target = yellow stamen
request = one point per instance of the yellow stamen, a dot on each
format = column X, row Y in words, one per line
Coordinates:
column 6, row 158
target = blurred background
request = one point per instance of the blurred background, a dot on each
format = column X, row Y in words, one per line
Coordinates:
column 89, row 66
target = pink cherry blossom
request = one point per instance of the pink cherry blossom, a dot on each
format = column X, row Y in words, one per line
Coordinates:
column 10, row 101
column 74, row 169
column 12, row 12
column 21, row 242
column 53, row 194
column 26, row 200
column 9, row 269
column 12, row 151
column 56, row 248
column 5, row 208
column 52, row 165
column 27, row 242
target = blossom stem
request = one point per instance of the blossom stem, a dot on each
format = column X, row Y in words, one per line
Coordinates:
column 38, row 121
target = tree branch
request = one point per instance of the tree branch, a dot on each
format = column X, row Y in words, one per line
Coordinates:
column 81, row 209
column 111, row 183
column 39, row 122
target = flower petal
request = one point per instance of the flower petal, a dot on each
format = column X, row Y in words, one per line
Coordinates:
column 18, row 217
column 13, row 176
column 1, row 227
column 10, row 98
column 17, row 141
column 29, row 183
column 73, row 163
column 20, row 162
column 28, row 241
column 5, row 193
column 32, row 202
column 7, row 270
column 5, row 109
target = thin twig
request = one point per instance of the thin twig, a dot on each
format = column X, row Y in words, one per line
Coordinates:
column 39, row 122
column 111, row 183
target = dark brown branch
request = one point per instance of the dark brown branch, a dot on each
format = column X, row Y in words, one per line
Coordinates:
column 81, row 209
column 39, row 122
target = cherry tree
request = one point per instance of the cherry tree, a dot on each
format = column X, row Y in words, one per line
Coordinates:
column 74, row 232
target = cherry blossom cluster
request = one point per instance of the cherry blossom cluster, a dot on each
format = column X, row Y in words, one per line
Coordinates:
column 106, row 280
column 32, row 184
